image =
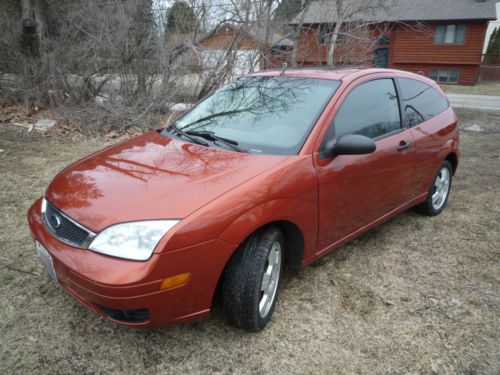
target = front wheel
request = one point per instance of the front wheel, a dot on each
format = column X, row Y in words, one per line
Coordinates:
column 252, row 278
column 439, row 191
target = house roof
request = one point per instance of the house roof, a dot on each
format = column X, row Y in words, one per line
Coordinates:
column 257, row 33
column 323, row 11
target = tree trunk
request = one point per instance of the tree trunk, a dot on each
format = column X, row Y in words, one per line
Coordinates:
column 295, row 48
column 144, row 43
column 29, row 36
column 333, row 43
column 267, row 33
column 40, row 18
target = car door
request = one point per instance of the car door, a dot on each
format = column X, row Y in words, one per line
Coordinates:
column 356, row 190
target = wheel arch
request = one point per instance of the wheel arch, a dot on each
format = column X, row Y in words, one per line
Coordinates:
column 294, row 250
column 452, row 158
column 289, row 215
column 294, row 242
column 293, row 237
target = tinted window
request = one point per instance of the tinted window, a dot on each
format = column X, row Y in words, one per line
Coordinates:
column 370, row 109
column 272, row 114
column 420, row 101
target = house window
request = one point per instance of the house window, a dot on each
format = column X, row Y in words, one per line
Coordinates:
column 445, row 75
column 450, row 34
column 383, row 41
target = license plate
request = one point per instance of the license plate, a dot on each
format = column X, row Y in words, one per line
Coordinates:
column 46, row 259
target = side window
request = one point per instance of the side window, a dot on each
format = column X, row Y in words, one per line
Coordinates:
column 370, row 109
column 420, row 101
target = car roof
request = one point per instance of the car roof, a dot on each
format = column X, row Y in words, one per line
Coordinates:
column 339, row 74
column 310, row 72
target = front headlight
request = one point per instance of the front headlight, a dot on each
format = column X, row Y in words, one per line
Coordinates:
column 135, row 240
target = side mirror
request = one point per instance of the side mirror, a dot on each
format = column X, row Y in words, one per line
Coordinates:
column 349, row 144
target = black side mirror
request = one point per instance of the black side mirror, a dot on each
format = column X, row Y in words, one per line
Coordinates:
column 349, row 144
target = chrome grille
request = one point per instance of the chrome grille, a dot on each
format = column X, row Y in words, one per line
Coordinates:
column 64, row 228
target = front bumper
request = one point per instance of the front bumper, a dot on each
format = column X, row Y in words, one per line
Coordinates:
column 105, row 284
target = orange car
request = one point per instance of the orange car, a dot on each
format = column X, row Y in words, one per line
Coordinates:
column 276, row 168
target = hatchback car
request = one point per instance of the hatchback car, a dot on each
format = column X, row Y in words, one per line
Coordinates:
column 276, row 168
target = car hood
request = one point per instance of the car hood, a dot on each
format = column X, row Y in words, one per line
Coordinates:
column 150, row 177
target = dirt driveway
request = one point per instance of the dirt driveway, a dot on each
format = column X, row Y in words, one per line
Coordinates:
column 417, row 294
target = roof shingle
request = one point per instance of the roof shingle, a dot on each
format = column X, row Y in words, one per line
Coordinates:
column 323, row 11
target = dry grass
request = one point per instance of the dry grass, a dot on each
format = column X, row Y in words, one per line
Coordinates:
column 417, row 294
column 483, row 88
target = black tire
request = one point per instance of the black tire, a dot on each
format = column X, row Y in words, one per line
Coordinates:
column 241, row 287
column 427, row 207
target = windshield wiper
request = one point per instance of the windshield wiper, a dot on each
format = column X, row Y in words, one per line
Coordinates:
column 215, row 115
column 187, row 135
column 212, row 137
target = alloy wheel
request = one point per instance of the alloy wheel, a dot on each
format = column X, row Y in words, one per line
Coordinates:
column 270, row 279
column 441, row 188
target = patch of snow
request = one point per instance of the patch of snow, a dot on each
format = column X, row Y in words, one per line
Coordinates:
column 474, row 128
column 44, row 124
column 102, row 99
column 180, row 107
column 23, row 124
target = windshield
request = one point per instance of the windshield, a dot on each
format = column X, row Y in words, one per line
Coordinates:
column 271, row 115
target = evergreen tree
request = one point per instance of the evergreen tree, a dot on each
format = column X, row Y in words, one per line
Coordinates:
column 496, row 48
column 180, row 19
column 288, row 9
column 491, row 46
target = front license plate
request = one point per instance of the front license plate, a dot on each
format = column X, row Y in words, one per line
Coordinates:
column 46, row 259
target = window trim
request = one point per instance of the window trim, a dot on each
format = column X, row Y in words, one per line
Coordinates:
column 383, row 41
column 402, row 113
column 445, row 26
column 402, row 121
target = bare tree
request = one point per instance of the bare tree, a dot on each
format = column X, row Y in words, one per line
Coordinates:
column 112, row 59
column 297, row 33
column 351, row 21
column 345, row 32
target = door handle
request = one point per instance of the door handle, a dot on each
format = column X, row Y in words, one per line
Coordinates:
column 403, row 145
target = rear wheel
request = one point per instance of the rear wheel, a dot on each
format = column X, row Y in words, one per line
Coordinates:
column 252, row 278
column 439, row 191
